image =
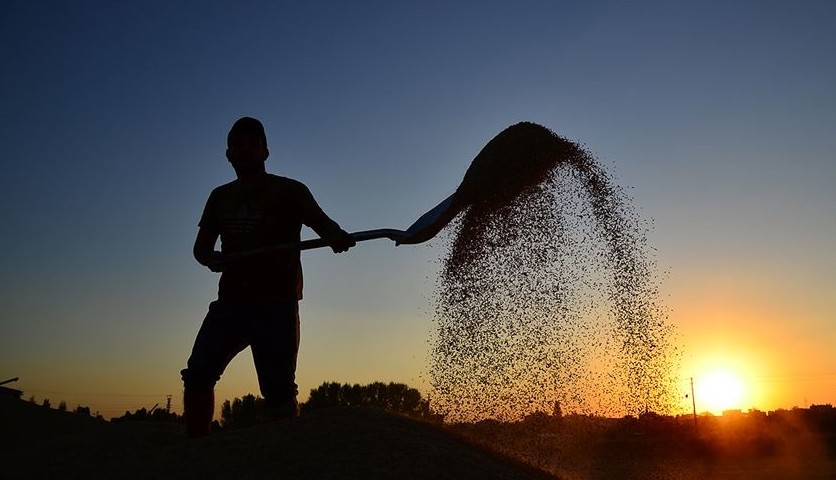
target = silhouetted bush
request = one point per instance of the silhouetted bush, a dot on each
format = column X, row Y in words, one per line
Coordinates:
column 243, row 412
column 393, row 397
column 143, row 415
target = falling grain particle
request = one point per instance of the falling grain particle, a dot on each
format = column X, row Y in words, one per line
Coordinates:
column 547, row 293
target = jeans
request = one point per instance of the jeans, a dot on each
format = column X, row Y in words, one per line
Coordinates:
column 272, row 333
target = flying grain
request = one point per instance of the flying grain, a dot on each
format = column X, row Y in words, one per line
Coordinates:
column 547, row 293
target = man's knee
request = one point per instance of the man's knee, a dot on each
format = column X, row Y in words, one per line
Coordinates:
column 197, row 381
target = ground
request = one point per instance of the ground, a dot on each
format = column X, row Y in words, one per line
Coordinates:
column 356, row 443
column 340, row 443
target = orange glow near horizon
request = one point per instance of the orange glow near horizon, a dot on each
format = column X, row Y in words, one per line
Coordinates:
column 726, row 379
column 719, row 390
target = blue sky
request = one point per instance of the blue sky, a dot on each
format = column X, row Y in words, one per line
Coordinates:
column 717, row 117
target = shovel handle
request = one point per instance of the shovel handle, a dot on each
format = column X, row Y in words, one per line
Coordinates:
column 391, row 234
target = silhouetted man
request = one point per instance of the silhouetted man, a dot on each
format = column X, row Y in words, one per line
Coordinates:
column 258, row 295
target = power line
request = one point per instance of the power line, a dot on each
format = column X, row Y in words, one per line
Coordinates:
column 91, row 394
column 795, row 375
column 775, row 377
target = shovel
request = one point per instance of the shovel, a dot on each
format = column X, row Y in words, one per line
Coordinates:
column 517, row 158
column 425, row 228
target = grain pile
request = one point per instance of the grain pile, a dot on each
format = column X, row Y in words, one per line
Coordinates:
column 547, row 294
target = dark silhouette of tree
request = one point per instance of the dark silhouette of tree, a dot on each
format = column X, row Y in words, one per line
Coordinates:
column 394, row 397
column 557, row 410
column 143, row 415
column 251, row 410
column 243, row 412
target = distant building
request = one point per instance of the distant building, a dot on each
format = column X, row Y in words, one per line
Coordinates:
column 10, row 392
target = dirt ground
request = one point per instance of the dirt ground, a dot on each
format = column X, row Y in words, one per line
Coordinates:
column 338, row 443
column 345, row 443
column 584, row 452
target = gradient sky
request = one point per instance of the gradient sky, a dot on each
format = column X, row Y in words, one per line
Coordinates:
column 718, row 117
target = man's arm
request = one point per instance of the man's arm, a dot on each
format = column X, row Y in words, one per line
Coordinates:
column 338, row 239
column 205, row 254
column 204, row 250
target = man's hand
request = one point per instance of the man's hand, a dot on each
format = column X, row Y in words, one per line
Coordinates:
column 342, row 242
column 204, row 250
column 216, row 262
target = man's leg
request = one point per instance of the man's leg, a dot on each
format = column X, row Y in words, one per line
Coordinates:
column 218, row 341
column 275, row 347
column 198, row 410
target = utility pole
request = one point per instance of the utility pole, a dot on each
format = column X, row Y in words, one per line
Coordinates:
column 168, row 404
column 694, row 403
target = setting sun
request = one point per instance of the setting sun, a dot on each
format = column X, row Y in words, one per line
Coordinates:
column 719, row 390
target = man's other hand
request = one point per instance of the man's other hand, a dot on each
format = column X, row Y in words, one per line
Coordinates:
column 216, row 262
column 342, row 242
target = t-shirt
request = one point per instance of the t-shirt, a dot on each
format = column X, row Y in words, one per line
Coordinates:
column 268, row 211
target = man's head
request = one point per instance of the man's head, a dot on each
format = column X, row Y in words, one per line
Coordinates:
column 246, row 146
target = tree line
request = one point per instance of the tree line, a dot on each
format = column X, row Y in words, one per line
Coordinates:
column 393, row 397
column 62, row 407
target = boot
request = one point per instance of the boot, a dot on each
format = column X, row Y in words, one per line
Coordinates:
column 199, row 408
column 283, row 411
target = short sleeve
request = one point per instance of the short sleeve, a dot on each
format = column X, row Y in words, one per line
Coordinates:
column 209, row 218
